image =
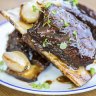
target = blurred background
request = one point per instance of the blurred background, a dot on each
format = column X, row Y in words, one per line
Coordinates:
column 7, row 4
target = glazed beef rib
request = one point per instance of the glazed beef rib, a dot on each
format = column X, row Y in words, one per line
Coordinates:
column 80, row 50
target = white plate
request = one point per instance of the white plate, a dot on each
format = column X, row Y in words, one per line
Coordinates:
column 51, row 73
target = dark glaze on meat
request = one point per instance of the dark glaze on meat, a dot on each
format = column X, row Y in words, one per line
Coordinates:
column 63, row 79
column 80, row 50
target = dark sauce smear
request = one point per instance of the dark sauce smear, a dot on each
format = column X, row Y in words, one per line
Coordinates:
column 63, row 79
column 49, row 82
column 73, row 87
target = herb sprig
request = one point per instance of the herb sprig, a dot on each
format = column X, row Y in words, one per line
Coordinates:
column 47, row 22
column 66, row 24
column 45, row 43
column 2, row 66
column 40, row 86
column 74, row 2
column 92, row 71
column 63, row 45
column 47, row 5
column 1, row 63
column 75, row 34
column 54, row 12
column 34, row 8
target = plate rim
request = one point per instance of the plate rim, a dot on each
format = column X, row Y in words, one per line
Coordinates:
column 34, row 91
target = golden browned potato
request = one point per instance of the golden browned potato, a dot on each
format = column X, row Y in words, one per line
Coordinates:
column 30, row 12
column 16, row 61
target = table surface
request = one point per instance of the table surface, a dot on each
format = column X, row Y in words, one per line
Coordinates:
column 4, row 91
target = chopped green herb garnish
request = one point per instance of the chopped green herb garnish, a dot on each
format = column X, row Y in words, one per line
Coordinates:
column 2, row 66
column 34, row 8
column 40, row 86
column 54, row 12
column 66, row 24
column 75, row 34
column 48, row 5
column 37, row 86
column 92, row 71
column 63, row 45
column 75, row 2
column 1, row 63
column 46, row 85
column 47, row 22
column 69, row 40
column 45, row 43
column 61, row 20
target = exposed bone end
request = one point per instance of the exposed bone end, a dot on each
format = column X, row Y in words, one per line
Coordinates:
column 78, row 77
